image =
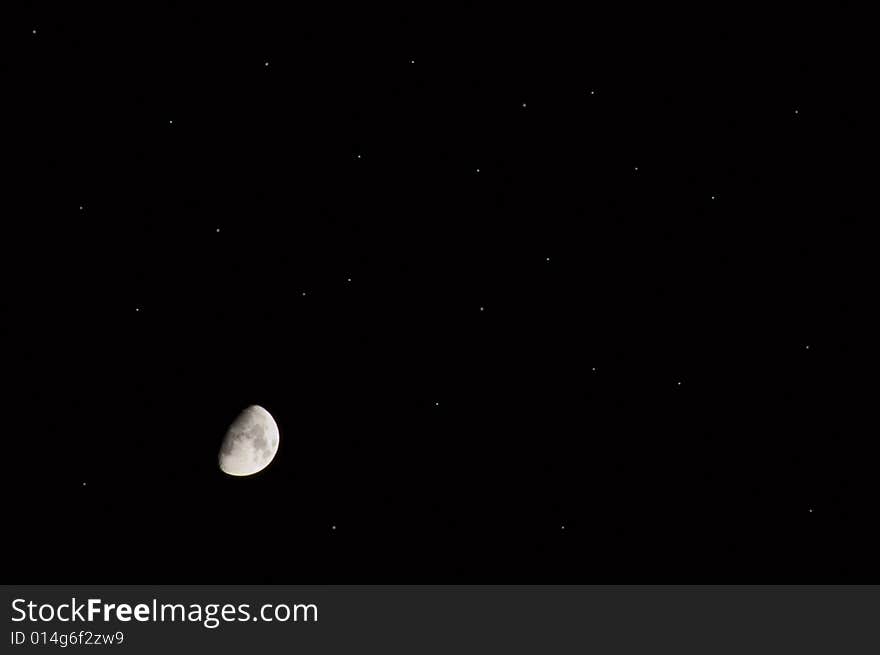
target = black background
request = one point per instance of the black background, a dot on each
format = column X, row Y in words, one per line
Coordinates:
column 670, row 397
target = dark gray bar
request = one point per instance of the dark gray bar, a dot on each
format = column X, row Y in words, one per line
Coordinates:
column 411, row 620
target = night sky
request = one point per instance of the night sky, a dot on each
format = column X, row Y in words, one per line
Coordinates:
column 533, row 296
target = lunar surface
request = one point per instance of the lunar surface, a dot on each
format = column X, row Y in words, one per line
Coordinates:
column 250, row 442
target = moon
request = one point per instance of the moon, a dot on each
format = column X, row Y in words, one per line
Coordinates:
column 250, row 443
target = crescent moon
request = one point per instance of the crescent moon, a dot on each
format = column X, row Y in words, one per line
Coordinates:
column 250, row 443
